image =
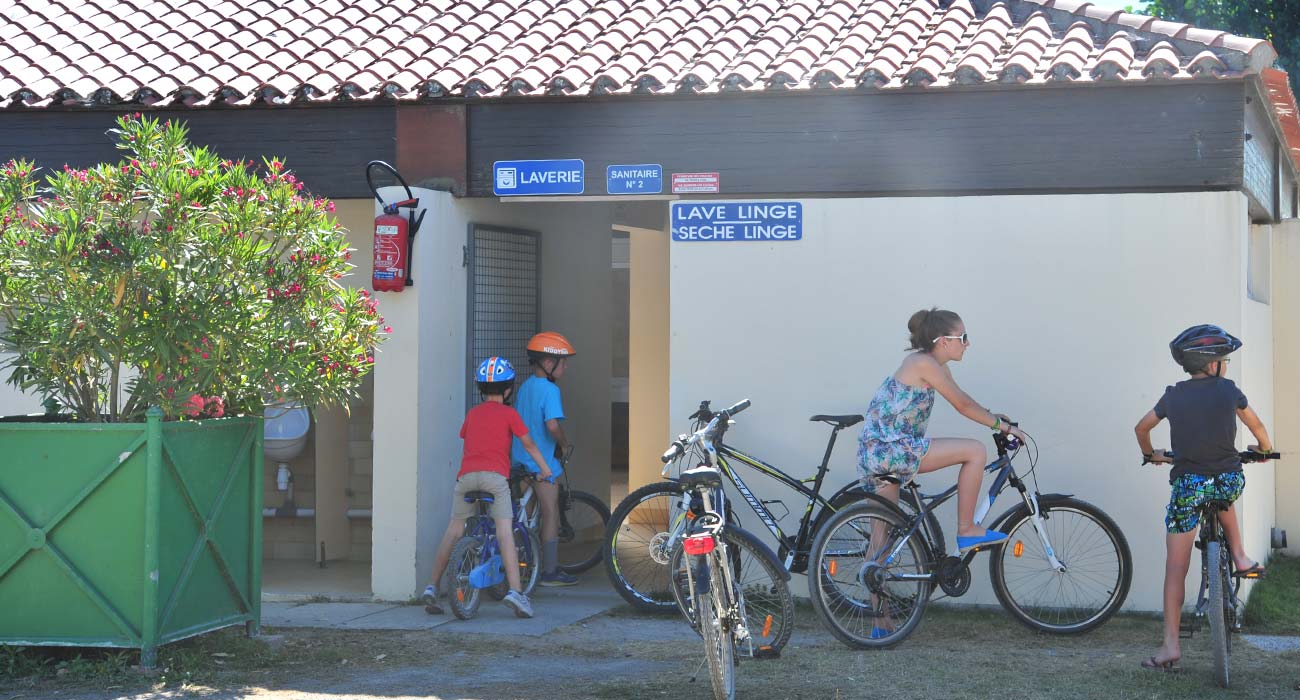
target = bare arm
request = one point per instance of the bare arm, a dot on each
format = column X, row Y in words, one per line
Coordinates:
column 557, row 431
column 544, row 469
column 1256, row 428
column 1143, row 431
column 938, row 376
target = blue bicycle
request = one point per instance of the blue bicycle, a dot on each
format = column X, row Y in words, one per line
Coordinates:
column 476, row 563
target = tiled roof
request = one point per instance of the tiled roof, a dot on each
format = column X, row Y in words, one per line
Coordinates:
column 201, row 52
column 1283, row 103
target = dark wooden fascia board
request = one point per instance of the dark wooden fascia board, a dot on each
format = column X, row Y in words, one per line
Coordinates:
column 1166, row 137
column 326, row 146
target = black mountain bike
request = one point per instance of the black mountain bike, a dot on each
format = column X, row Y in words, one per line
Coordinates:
column 1216, row 600
column 1064, row 568
column 647, row 526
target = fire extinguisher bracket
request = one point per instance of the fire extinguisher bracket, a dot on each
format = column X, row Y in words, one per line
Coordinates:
column 392, row 234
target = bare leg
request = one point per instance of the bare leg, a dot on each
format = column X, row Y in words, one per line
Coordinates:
column 1178, row 555
column 455, row 529
column 971, row 455
column 509, row 555
column 1232, row 533
column 548, row 498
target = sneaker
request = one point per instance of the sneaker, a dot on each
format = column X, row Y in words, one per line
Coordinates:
column 519, row 603
column 430, row 600
column 557, row 578
column 990, row 538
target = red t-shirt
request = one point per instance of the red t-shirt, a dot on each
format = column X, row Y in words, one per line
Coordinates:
column 488, row 431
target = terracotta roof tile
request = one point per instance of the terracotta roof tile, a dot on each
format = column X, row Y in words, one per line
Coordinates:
column 243, row 51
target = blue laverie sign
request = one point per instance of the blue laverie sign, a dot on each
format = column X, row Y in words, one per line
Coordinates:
column 634, row 179
column 737, row 221
column 515, row 178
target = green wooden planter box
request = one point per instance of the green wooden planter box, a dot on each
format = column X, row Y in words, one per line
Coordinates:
column 129, row 535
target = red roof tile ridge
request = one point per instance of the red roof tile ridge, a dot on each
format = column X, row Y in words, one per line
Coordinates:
column 1283, row 101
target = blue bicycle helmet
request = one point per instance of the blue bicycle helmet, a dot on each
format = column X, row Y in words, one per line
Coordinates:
column 1198, row 346
column 494, row 370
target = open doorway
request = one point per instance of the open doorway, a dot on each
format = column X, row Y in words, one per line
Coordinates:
column 620, row 262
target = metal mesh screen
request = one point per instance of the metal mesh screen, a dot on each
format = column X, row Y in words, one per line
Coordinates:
column 503, row 288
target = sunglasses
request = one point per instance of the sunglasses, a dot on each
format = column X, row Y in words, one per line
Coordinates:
column 964, row 338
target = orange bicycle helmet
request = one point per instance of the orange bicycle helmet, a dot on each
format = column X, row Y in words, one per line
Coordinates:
column 549, row 344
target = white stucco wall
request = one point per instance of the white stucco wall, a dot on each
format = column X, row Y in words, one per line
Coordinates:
column 1070, row 302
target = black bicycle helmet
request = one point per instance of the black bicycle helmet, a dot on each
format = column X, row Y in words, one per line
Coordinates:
column 1198, row 346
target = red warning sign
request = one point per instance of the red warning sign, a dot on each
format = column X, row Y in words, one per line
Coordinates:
column 685, row 183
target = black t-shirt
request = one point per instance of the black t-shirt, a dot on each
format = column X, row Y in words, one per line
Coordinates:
column 1202, row 417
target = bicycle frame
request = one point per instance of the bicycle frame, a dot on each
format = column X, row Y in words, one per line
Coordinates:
column 1006, row 475
column 1212, row 531
column 698, row 577
column 790, row 548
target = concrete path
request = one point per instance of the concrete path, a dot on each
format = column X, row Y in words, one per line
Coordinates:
column 1273, row 643
column 552, row 608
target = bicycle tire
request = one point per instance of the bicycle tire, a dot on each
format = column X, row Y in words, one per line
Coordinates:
column 583, row 519
column 769, row 604
column 1099, row 567
column 635, row 561
column 461, row 595
column 1216, row 610
column 528, row 549
column 845, row 602
column 719, row 647
column 907, row 507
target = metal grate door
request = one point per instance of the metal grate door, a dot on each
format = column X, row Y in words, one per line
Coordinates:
column 503, row 297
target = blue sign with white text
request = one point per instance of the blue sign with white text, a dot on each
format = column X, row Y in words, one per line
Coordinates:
column 634, row 179
column 737, row 221
column 514, row 178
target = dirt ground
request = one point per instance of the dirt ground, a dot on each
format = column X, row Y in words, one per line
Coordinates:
column 954, row 654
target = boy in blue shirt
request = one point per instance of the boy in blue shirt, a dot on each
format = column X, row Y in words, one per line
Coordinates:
column 539, row 403
column 1202, row 413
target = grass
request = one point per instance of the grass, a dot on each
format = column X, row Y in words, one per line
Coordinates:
column 955, row 653
column 1274, row 605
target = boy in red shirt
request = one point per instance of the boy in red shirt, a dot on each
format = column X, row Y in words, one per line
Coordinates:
column 485, row 466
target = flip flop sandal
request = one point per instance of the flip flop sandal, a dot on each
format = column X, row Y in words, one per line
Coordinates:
column 1151, row 664
column 1256, row 571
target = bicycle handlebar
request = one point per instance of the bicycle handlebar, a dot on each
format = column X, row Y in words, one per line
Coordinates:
column 703, row 414
column 1246, row 456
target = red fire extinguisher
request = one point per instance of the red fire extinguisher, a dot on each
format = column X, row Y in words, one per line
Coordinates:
column 393, row 236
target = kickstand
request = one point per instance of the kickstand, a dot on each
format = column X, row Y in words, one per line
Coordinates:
column 697, row 670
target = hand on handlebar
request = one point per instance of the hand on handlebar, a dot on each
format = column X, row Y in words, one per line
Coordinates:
column 1158, row 457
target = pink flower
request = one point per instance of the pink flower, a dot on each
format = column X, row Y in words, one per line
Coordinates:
column 193, row 406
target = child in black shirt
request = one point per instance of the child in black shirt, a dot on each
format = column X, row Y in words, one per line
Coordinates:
column 1202, row 413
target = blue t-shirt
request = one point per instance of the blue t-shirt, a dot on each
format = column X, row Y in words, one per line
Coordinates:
column 538, row 401
column 1202, row 417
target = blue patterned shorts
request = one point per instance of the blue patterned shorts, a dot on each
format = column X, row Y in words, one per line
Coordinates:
column 1189, row 491
column 900, row 459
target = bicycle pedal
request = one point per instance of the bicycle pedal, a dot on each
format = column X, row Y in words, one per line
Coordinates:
column 1187, row 630
column 767, row 652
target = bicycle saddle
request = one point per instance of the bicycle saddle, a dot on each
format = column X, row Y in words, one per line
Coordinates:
column 838, row 421
column 472, row 496
column 702, row 476
column 1216, row 505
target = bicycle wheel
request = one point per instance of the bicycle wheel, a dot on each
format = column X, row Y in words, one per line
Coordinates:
column 1216, row 610
column 462, row 595
column 635, row 547
column 583, row 519
column 859, row 593
column 769, row 604
column 719, row 647
column 528, row 549
column 1098, row 567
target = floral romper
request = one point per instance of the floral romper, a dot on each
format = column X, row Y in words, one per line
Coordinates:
column 893, row 439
